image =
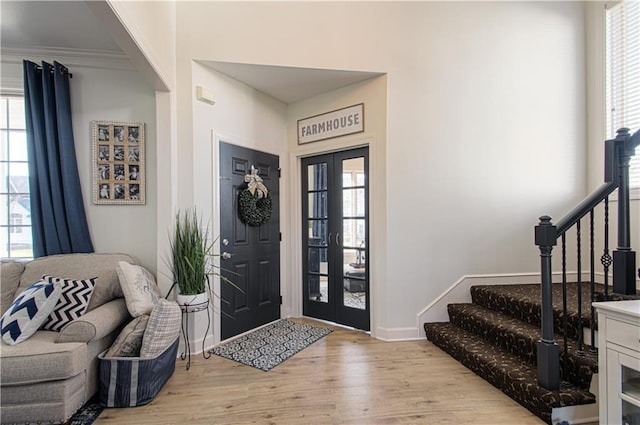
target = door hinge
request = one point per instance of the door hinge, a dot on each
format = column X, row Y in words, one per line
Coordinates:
column 279, row 172
column 280, row 299
column 280, row 235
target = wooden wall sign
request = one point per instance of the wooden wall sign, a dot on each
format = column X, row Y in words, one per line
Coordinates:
column 332, row 124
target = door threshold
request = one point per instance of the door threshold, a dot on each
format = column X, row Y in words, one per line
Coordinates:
column 340, row 325
column 247, row 332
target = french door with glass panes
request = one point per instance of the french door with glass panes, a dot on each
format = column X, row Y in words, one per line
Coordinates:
column 335, row 229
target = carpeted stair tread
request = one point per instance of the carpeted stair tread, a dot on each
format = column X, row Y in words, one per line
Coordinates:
column 520, row 338
column 523, row 302
column 504, row 370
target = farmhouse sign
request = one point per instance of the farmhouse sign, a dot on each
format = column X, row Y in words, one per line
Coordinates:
column 344, row 121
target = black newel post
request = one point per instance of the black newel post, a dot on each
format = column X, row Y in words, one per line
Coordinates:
column 624, row 259
column 548, row 350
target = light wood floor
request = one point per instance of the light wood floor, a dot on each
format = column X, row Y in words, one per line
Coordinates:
column 345, row 378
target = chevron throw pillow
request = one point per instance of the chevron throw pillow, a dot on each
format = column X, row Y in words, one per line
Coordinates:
column 73, row 301
column 28, row 311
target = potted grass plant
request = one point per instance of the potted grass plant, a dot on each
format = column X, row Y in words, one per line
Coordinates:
column 191, row 251
column 192, row 261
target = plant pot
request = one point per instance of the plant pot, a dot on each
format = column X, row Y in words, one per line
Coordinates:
column 192, row 300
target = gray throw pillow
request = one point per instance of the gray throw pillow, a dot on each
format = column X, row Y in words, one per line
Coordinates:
column 128, row 343
column 163, row 328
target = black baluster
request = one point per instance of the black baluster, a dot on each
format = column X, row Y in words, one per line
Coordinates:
column 592, row 272
column 579, row 241
column 565, row 319
column 606, row 259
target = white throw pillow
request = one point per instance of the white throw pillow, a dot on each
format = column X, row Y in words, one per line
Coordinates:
column 139, row 288
column 29, row 310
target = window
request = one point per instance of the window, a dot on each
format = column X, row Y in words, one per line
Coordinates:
column 15, row 215
column 623, row 74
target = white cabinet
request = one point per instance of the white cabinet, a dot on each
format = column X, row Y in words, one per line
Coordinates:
column 619, row 362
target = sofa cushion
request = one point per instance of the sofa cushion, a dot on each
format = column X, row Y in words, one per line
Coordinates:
column 41, row 359
column 139, row 288
column 81, row 266
column 73, row 301
column 28, row 311
column 44, row 402
column 128, row 343
column 96, row 324
column 162, row 329
column 42, row 392
column 10, row 272
column 78, row 330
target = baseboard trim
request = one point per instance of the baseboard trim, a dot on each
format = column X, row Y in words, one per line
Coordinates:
column 459, row 292
column 383, row 334
column 196, row 345
column 397, row 334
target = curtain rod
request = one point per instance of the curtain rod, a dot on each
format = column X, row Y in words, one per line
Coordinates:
column 52, row 71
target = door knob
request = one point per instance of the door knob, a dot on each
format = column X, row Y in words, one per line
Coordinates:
column 226, row 255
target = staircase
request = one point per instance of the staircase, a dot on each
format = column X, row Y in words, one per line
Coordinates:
column 528, row 340
column 496, row 335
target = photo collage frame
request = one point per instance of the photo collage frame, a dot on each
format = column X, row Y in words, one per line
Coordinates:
column 118, row 162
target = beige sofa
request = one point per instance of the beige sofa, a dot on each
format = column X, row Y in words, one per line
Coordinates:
column 52, row 374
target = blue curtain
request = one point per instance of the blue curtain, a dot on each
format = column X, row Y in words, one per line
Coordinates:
column 58, row 219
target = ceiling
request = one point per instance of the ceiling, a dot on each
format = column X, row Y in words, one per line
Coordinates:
column 71, row 25
column 53, row 24
column 289, row 84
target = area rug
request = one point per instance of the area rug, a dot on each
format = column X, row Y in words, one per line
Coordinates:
column 267, row 347
column 87, row 414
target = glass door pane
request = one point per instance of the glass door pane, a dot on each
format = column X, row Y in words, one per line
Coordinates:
column 630, row 413
column 354, row 237
column 317, row 221
column 630, row 396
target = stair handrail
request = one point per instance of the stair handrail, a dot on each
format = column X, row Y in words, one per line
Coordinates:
column 618, row 152
column 584, row 207
column 615, row 153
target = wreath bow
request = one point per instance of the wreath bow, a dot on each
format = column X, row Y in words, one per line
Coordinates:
column 254, row 182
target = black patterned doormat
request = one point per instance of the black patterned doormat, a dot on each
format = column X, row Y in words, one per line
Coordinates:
column 267, row 347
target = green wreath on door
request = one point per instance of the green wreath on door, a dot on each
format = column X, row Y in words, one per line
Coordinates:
column 254, row 203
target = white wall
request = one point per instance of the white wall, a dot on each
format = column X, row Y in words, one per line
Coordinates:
column 146, row 32
column 114, row 95
column 241, row 116
column 485, row 115
column 117, row 96
column 151, row 25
